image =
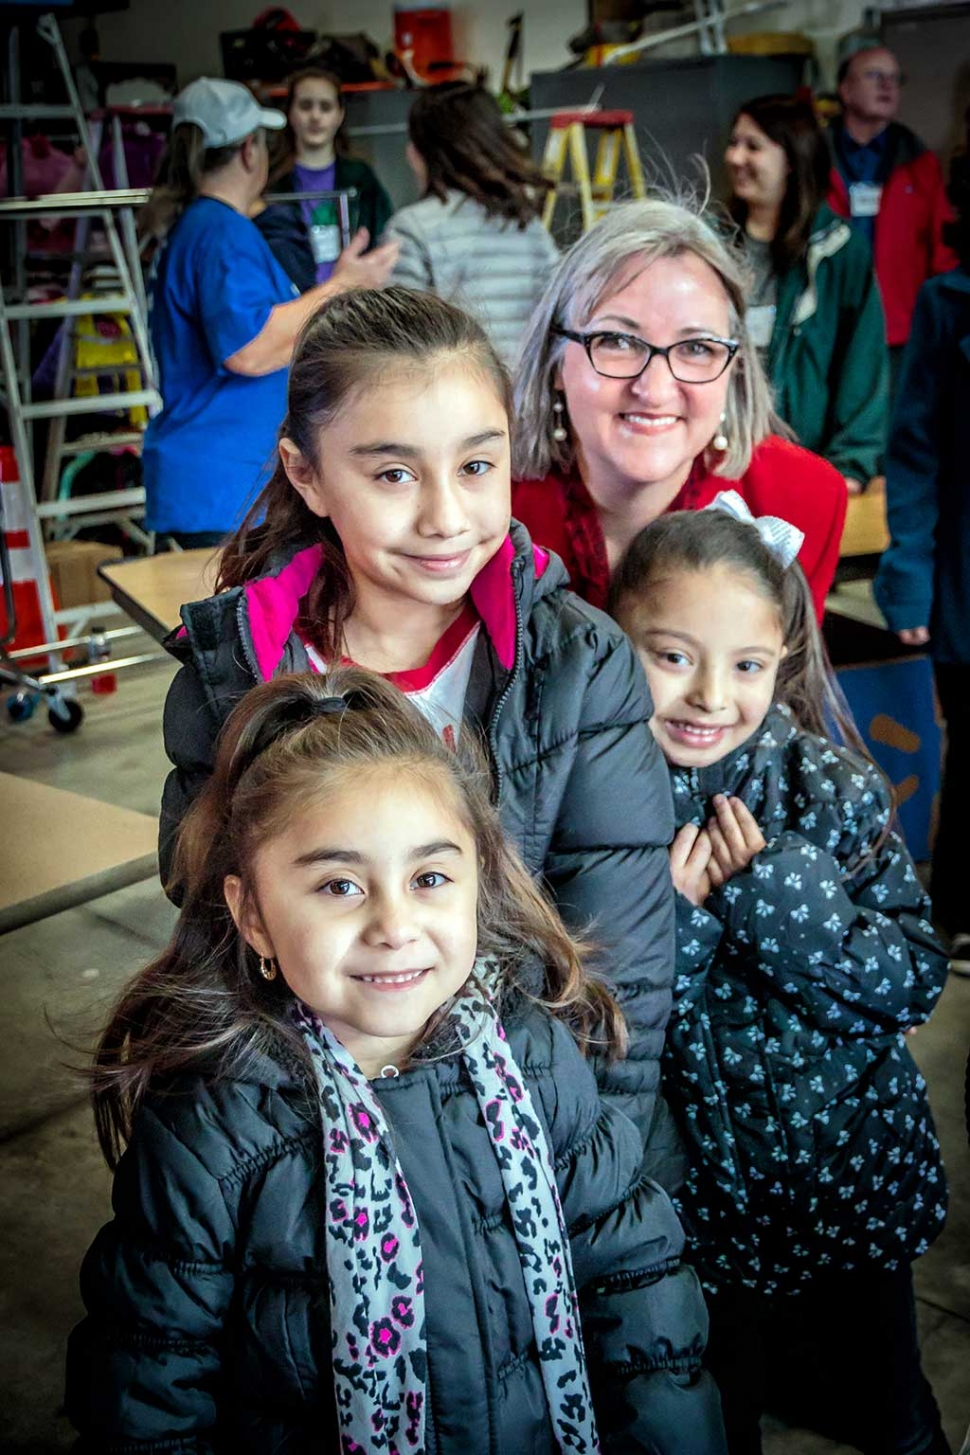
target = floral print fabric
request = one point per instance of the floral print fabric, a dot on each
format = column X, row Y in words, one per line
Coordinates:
column 810, row 1139
column 374, row 1242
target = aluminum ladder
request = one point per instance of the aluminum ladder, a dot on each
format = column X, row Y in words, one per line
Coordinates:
column 567, row 140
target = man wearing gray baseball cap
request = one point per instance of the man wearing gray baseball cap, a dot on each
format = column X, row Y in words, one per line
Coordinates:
column 224, row 316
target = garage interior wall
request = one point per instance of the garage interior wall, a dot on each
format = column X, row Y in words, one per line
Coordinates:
column 187, row 33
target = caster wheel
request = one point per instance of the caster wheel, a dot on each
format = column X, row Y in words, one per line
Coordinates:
column 65, row 715
column 20, row 707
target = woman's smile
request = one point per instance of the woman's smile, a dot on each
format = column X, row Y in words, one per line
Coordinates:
column 642, row 423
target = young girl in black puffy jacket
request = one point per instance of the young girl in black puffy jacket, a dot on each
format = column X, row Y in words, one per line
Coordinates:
column 371, row 1200
column 384, row 539
column 804, row 955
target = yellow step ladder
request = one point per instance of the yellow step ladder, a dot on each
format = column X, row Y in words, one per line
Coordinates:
column 567, row 139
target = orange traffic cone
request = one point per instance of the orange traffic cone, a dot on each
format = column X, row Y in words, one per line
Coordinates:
column 28, row 626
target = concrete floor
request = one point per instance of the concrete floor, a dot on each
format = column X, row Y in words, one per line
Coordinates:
column 54, row 1190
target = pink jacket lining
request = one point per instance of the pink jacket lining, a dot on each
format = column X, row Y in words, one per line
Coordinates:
column 273, row 603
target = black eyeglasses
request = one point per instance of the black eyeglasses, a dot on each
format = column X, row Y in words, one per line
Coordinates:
column 624, row 356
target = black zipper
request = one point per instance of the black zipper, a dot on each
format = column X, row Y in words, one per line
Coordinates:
column 504, row 694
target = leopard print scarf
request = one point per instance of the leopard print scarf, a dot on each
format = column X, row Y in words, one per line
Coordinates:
column 374, row 1242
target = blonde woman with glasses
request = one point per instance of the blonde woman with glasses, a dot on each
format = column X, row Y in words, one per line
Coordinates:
column 638, row 391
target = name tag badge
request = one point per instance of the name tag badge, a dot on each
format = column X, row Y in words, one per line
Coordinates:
column 864, row 199
column 760, row 323
column 325, row 242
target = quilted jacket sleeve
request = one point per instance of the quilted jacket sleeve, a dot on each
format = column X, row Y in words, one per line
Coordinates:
column 841, row 931
column 643, row 1314
column 609, row 870
column 144, row 1365
column 190, row 731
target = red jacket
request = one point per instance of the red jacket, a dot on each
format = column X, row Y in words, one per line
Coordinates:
column 909, row 246
column 782, row 479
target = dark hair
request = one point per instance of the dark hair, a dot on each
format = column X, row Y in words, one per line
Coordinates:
column 202, row 1004
column 792, row 125
column 185, row 161
column 459, row 132
column 344, row 346
column 283, row 155
column 698, row 540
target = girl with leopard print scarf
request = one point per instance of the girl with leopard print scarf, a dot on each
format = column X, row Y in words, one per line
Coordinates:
column 366, row 1195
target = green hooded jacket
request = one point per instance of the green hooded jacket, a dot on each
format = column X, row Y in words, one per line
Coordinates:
column 827, row 359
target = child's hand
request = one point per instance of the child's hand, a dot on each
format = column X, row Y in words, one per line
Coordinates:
column 690, row 860
column 735, row 839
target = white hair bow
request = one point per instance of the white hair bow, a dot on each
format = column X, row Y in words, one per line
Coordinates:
column 783, row 539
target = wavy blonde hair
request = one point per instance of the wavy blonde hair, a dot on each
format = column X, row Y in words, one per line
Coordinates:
column 625, row 243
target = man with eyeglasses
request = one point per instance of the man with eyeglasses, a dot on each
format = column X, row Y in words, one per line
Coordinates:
column 887, row 183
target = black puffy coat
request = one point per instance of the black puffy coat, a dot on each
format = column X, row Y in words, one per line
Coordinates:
column 207, row 1328
column 582, row 790
column 810, row 1141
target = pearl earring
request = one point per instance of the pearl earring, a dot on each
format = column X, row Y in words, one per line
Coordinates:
column 720, row 441
column 559, row 431
column 267, row 968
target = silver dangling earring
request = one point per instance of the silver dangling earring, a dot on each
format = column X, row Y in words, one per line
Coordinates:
column 559, row 430
column 267, row 968
column 720, row 441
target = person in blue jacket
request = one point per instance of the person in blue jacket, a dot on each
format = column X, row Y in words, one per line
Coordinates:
column 923, row 584
column 223, row 316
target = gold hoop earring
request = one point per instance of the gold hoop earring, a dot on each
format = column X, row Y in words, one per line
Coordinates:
column 267, row 968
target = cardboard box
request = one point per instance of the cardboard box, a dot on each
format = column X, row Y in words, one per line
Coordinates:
column 74, row 566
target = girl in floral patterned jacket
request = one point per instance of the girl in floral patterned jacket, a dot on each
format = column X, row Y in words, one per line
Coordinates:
column 804, row 955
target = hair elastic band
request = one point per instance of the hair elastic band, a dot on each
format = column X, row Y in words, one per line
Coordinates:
column 323, row 705
column 296, row 713
column 783, row 539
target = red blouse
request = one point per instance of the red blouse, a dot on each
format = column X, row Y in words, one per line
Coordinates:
column 783, row 479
